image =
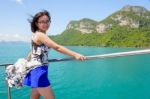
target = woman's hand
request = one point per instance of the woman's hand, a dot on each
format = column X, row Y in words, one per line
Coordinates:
column 79, row 57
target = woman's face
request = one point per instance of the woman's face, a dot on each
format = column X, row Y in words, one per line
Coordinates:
column 43, row 23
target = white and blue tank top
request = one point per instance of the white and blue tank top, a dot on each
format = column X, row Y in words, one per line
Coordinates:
column 39, row 53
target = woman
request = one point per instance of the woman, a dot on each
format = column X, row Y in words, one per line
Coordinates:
column 37, row 78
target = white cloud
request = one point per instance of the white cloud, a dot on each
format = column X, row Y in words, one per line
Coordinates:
column 15, row 37
column 19, row 1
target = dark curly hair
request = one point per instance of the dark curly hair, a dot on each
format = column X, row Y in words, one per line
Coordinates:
column 35, row 18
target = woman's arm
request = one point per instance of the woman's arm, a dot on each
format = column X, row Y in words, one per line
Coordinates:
column 42, row 38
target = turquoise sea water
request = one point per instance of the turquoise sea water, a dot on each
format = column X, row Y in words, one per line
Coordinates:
column 113, row 78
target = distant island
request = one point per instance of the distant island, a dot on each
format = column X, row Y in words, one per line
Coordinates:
column 13, row 42
column 128, row 27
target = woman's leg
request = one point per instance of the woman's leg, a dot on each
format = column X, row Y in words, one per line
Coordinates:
column 46, row 92
column 35, row 94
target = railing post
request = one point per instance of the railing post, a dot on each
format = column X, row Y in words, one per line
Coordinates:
column 8, row 89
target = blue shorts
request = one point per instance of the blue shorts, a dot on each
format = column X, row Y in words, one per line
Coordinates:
column 37, row 77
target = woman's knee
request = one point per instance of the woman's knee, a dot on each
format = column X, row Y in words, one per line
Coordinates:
column 34, row 94
column 46, row 92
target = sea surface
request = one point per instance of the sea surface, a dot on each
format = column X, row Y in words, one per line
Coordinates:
column 112, row 78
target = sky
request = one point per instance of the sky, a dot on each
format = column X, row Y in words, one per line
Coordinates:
column 14, row 14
